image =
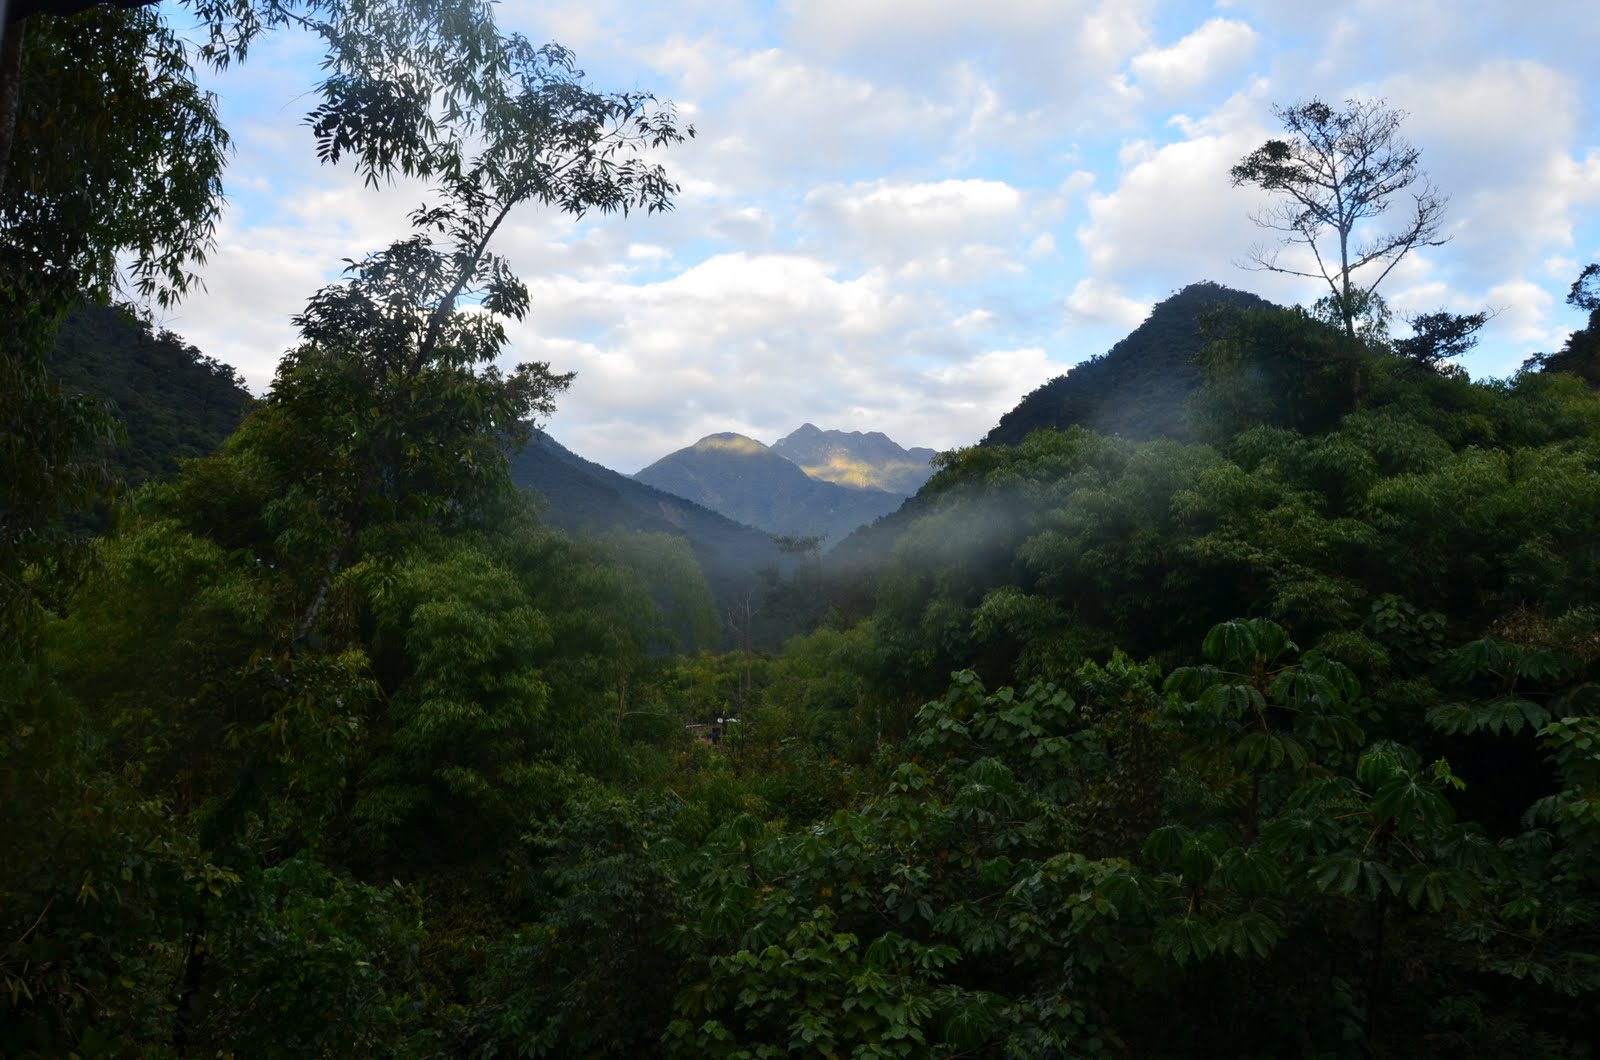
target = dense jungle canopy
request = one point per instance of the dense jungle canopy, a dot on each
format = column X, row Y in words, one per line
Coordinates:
column 1269, row 728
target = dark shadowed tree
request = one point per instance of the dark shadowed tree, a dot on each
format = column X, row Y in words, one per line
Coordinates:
column 1440, row 337
column 1581, row 353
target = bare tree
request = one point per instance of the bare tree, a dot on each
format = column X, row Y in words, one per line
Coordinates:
column 1336, row 170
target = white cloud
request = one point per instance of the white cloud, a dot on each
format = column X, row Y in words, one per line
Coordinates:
column 902, row 216
column 758, row 343
column 1218, row 46
column 1173, row 216
column 953, row 231
column 779, row 120
column 929, row 214
column 1523, row 318
column 1040, row 65
column 1499, row 140
column 1097, row 302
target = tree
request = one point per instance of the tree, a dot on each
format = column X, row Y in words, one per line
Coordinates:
column 1337, row 170
column 110, row 182
column 1440, row 336
column 115, row 152
column 389, row 418
column 1581, row 353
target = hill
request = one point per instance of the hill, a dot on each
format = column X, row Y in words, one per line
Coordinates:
column 855, row 458
column 749, row 482
column 173, row 401
column 586, row 497
column 1137, row 389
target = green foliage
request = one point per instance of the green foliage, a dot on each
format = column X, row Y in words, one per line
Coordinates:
column 452, row 764
column 115, row 150
column 1341, row 801
column 1282, row 368
column 316, row 966
column 1580, row 355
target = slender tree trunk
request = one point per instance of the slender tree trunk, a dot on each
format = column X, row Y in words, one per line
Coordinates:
column 10, row 92
column 336, row 557
column 1376, row 968
column 189, row 992
column 1347, row 310
column 330, row 571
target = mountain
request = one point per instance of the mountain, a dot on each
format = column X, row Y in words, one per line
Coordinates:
column 1136, row 389
column 173, row 401
column 746, row 481
column 853, row 458
column 586, row 497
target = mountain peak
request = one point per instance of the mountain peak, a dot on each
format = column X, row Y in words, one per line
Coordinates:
column 1136, row 389
column 728, row 441
column 870, row 460
column 747, row 481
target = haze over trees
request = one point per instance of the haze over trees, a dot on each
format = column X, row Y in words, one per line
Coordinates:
column 1268, row 731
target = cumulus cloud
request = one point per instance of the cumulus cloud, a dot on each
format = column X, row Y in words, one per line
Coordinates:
column 903, row 216
column 1172, row 216
column 1097, row 302
column 937, row 213
column 953, row 231
column 1218, row 46
column 1524, row 319
column 759, row 343
column 1060, row 51
column 1502, row 140
column 779, row 120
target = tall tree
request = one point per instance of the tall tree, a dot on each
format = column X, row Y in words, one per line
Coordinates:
column 110, row 184
column 1336, row 170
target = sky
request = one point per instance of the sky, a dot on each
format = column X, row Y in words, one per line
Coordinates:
column 904, row 215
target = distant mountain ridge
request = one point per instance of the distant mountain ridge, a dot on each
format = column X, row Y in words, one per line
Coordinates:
column 749, row 482
column 864, row 460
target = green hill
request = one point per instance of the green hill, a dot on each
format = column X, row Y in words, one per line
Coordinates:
column 585, row 497
column 1137, row 389
column 173, row 400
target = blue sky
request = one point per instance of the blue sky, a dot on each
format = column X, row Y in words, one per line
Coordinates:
column 903, row 215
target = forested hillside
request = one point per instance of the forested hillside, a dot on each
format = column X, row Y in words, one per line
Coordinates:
column 741, row 564
column 1139, row 387
column 1246, row 726
column 171, row 400
column 1271, row 732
